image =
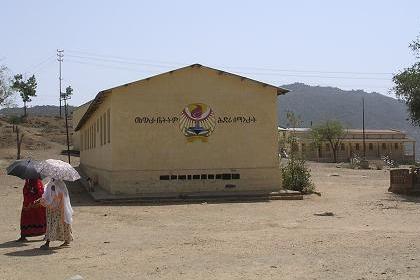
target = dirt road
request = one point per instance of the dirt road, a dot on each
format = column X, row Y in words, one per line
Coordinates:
column 373, row 235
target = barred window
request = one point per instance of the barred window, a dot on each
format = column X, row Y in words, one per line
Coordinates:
column 108, row 119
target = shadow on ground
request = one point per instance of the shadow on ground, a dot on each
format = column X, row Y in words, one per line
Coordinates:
column 34, row 252
column 80, row 197
column 403, row 198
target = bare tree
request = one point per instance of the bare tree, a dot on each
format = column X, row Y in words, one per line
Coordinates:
column 6, row 93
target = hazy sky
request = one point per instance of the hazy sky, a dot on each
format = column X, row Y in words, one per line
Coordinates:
column 349, row 44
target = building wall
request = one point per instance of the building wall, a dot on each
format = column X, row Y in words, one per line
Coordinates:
column 377, row 146
column 146, row 155
column 76, row 117
column 95, row 145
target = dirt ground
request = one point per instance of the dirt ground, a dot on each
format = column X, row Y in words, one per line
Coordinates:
column 373, row 235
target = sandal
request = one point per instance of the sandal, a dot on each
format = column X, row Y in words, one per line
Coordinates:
column 65, row 244
column 44, row 247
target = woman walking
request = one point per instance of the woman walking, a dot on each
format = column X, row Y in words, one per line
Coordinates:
column 32, row 218
column 59, row 213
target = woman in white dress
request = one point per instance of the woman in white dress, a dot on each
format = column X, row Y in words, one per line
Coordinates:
column 56, row 200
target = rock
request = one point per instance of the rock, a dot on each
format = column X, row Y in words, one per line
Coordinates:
column 324, row 214
column 75, row 277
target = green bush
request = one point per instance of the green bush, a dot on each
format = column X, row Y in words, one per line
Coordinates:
column 297, row 177
column 16, row 119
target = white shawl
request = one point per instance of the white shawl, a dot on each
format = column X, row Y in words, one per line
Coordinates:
column 48, row 196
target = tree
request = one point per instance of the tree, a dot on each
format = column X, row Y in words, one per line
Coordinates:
column 6, row 93
column 407, row 84
column 331, row 132
column 67, row 95
column 296, row 176
column 26, row 89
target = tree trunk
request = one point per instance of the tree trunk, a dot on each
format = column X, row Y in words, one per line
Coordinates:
column 335, row 154
column 24, row 109
column 18, row 142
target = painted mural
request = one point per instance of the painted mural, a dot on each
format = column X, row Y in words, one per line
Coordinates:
column 197, row 121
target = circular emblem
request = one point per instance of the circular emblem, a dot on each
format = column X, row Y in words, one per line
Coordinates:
column 197, row 121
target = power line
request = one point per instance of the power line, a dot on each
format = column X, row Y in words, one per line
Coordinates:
column 40, row 64
column 91, row 54
column 239, row 72
column 309, row 71
column 109, row 66
column 166, row 63
column 118, row 61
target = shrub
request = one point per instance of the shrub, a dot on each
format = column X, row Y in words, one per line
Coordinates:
column 16, row 119
column 297, row 177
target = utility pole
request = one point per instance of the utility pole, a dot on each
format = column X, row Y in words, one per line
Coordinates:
column 60, row 55
column 65, row 96
column 364, row 136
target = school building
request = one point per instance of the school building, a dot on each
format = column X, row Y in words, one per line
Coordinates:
column 379, row 143
column 191, row 130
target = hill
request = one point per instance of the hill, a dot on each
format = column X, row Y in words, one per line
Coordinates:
column 315, row 104
column 45, row 110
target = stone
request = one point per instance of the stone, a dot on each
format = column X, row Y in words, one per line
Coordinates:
column 324, row 214
column 75, row 277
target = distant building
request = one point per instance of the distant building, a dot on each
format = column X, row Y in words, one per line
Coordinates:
column 191, row 130
column 379, row 143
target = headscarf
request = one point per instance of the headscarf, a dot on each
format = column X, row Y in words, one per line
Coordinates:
column 60, row 187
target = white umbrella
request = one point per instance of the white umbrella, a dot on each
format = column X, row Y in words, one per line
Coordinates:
column 57, row 169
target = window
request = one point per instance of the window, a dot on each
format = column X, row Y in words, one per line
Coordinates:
column 357, row 146
column 100, row 134
column 396, row 146
column 370, row 146
column 104, row 128
column 343, row 147
column 226, row 176
column 383, row 146
column 95, row 128
column 108, row 122
column 327, row 147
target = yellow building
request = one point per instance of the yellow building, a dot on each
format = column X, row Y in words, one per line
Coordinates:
column 77, row 115
column 190, row 130
column 379, row 143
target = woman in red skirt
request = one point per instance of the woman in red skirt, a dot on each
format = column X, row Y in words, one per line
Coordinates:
column 32, row 219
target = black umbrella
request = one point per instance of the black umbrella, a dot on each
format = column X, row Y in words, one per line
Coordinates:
column 23, row 169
